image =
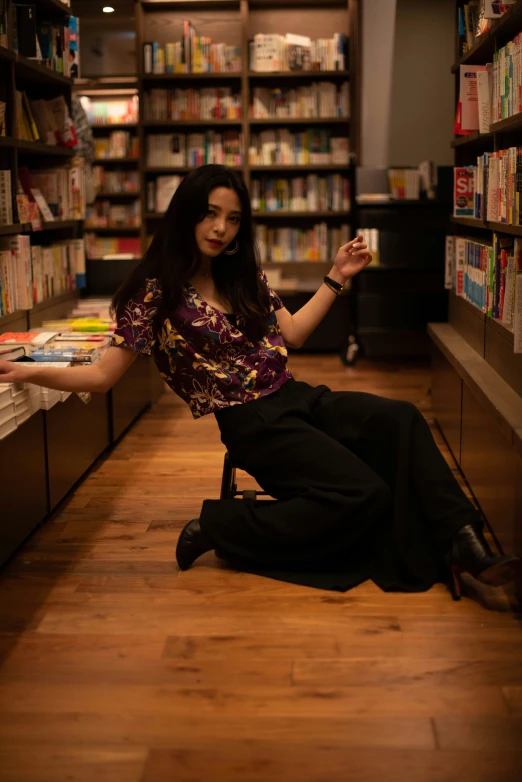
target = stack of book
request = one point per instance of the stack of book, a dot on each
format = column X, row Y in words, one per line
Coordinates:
column 107, row 247
column 195, row 149
column 6, row 198
column 30, row 274
column 491, row 190
column 315, row 244
column 160, row 192
column 59, row 193
column 191, row 54
column 28, row 340
column 284, row 147
column 404, row 183
column 121, row 111
column 489, row 277
column 186, row 104
column 120, row 143
column 48, row 121
column 45, row 41
column 312, row 193
column 318, row 99
column 297, row 52
column 105, row 214
column 106, row 181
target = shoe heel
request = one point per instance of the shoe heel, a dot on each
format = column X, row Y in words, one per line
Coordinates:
column 455, row 583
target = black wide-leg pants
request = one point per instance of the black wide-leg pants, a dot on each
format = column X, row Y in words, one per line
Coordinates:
column 362, row 491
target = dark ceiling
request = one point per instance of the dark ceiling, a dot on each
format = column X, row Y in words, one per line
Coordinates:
column 92, row 9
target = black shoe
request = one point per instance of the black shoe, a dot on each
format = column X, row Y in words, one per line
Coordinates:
column 471, row 554
column 192, row 543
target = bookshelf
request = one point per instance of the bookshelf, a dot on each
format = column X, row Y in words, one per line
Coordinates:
column 102, row 273
column 235, row 23
column 476, row 376
column 19, row 73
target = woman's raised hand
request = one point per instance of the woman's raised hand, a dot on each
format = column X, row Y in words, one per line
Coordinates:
column 352, row 257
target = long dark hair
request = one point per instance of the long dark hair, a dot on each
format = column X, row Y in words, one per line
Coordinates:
column 173, row 256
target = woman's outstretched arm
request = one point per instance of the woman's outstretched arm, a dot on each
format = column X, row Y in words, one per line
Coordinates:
column 99, row 377
column 350, row 259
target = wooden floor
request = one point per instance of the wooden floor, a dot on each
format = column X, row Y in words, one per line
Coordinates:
column 118, row 668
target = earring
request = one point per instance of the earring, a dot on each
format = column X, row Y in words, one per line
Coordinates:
column 234, row 251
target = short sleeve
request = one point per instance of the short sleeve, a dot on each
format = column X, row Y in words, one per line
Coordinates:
column 134, row 329
column 275, row 301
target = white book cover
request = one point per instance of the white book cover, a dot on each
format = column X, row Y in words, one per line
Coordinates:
column 469, row 96
column 484, row 102
column 449, row 267
column 493, row 9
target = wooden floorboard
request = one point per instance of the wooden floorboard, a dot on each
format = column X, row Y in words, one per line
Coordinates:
column 116, row 667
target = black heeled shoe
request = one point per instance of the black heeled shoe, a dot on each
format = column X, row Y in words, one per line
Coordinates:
column 192, row 543
column 471, row 554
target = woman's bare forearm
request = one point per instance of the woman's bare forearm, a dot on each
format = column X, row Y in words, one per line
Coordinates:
column 310, row 315
column 84, row 378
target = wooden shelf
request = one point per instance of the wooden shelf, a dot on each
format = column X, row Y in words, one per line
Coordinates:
column 53, row 6
column 7, row 55
column 293, row 121
column 8, row 141
column 174, row 5
column 508, row 124
column 472, row 222
column 5, row 320
column 116, row 260
column 39, row 148
column 501, row 32
column 119, row 195
column 6, row 230
column 311, row 75
column 300, row 167
column 407, row 203
column 189, row 76
column 114, row 126
column 190, row 123
column 56, row 225
column 112, row 160
column 31, row 69
column 44, row 305
column 112, row 229
column 178, row 169
column 472, row 138
column 281, row 214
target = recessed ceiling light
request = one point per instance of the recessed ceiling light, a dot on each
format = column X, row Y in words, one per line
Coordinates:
column 108, row 9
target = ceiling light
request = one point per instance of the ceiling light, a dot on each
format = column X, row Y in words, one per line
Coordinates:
column 108, row 9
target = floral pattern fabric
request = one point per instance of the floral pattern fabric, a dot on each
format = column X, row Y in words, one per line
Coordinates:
column 202, row 356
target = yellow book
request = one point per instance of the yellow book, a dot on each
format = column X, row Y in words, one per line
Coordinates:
column 26, row 108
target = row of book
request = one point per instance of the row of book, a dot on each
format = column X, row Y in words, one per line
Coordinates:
column 48, row 121
column 506, row 76
column 119, row 143
column 59, row 193
column 160, row 192
column 18, row 402
column 109, row 247
column 105, row 214
column 489, row 276
column 108, row 181
column 297, row 52
column 195, row 149
column 6, row 198
column 30, row 274
column 48, row 42
column 312, row 193
column 187, row 104
column 474, row 19
column 285, row 147
column 191, row 54
column 492, row 189
column 405, row 183
column 315, row 244
column 318, row 99
column 121, row 111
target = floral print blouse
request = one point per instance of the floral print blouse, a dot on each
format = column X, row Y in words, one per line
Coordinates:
column 203, row 357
